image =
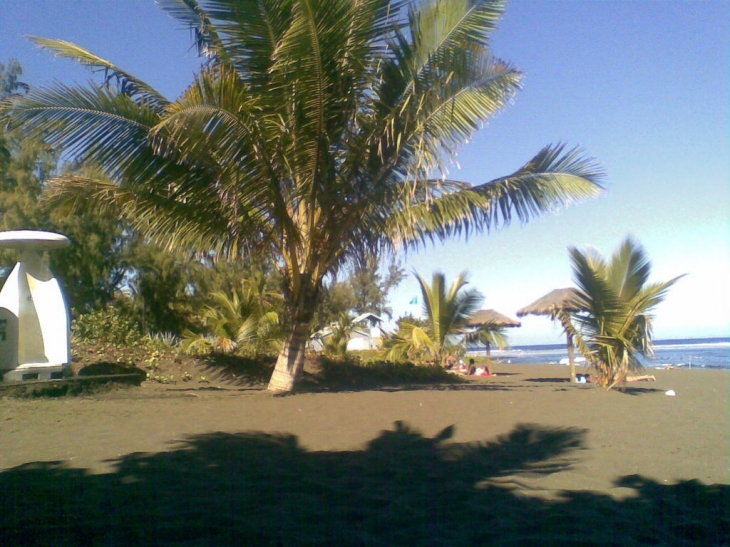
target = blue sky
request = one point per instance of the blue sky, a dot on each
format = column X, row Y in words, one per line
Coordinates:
column 643, row 86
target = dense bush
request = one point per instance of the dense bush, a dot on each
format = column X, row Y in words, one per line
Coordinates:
column 110, row 325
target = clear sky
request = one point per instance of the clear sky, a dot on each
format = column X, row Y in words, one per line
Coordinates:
column 643, row 86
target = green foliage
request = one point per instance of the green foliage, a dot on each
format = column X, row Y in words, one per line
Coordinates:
column 492, row 335
column 410, row 343
column 93, row 268
column 336, row 299
column 159, row 281
column 163, row 340
column 364, row 290
column 370, row 288
column 25, row 163
column 113, row 324
column 411, row 319
column 10, row 83
column 238, row 322
column 336, row 344
column 447, row 313
column 616, row 326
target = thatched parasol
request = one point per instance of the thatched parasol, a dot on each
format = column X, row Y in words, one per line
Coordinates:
column 568, row 300
column 484, row 317
column 491, row 317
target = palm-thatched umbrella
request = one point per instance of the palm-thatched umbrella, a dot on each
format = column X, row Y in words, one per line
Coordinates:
column 567, row 300
column 493, row 318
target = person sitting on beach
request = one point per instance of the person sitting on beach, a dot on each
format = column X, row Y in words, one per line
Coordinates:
column 483, row 371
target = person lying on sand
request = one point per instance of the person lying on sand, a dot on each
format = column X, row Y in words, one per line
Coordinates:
column 641, row 378
column 468, row 370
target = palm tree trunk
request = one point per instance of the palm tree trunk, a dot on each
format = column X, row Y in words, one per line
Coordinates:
column 290, row 363
column 571, row 357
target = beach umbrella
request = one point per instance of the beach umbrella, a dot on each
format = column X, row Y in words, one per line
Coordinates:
column 491, row 317
column 567, row 300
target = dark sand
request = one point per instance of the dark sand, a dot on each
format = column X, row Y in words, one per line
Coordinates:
column 524, row 458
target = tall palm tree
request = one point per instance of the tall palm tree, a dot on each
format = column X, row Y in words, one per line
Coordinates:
column 447, row 316
column 314, row 127
column 616, row 326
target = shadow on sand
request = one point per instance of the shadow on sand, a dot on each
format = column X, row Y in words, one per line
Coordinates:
column 402, row 489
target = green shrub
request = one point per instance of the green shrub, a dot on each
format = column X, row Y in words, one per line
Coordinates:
column 110, row 325
column 163, row 341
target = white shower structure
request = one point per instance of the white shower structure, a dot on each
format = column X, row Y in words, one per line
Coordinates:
column 35, row 337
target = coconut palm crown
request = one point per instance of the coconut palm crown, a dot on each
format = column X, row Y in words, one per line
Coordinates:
column 615, row 327
column 312, row 125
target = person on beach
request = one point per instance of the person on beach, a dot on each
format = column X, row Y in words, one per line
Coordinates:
column 482, row 370
column 641, row 378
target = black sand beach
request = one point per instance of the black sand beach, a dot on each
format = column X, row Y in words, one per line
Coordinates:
column 524, row 458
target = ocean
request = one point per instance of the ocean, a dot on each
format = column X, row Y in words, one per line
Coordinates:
column 694, row 353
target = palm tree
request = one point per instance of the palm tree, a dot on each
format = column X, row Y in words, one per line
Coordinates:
column 616, row 326
column 244, row 318
column 336, row 343
column 447, row 317
column 314, row 128
column 490, row 335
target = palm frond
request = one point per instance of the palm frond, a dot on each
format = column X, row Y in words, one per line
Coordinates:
column 96, row 123
column 492, row 334
column 442, row 26
column 127, row 84
column 551, row 179
column 412, row 342
column 190, row 13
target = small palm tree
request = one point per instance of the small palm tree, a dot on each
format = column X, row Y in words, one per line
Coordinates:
column 491, row 335
column 411, row 343
column 447, row 315
column 234, row 321
column 336, row 343
column 616, row 327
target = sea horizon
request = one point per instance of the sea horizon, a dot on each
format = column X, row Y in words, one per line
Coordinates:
column 711, row 353
column 662, row 342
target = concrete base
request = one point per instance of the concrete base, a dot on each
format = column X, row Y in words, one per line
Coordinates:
column 37, row 371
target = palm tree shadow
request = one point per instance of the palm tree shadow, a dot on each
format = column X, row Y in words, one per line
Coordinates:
column 640, row 390
column 237, row 371
column 401, row 489
column 549, row 380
